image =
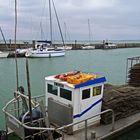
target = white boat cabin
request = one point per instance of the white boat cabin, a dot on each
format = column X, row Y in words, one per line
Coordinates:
column 85, row 98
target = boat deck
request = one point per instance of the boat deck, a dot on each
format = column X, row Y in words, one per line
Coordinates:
column 104, row 131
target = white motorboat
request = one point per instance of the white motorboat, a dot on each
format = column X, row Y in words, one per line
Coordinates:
column 4, row 54
column 109, row 45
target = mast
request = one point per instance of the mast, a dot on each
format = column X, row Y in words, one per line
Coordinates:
column 27, row 69
column 65, row 32
column 15, row 37
column 50, row 21
column 89, row 31
column 58, row 23
column 42, row 33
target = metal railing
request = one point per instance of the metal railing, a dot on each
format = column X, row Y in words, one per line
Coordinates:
column 129, row 64
column 86, row 124
column 60, row 129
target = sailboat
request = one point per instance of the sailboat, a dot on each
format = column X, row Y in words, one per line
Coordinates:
column 88, row 45
column 45, row 48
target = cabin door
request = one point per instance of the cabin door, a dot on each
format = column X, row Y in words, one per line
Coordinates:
column 90, row 104
column 85, row 103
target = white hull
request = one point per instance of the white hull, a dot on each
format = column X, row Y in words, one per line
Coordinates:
column 4, row 54
column 66, row 47
column 107, row 45
column 45, row 54
column 88, row 47
column 23, row 51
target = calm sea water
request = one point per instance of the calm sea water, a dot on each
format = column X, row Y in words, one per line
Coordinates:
column 110, row 63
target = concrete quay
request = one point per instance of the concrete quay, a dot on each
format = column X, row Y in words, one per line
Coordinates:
column 75, row 45
column 104, row 132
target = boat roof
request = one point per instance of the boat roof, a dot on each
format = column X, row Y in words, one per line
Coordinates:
column 61, row 83
column 43, row 41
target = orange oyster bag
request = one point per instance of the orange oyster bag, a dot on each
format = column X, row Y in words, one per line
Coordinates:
column 80, row 78
column 64, row 76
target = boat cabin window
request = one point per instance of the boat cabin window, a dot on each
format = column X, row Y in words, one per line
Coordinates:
column 85, row 94
column 52, row 89
column 66, row 94
column 96, row 90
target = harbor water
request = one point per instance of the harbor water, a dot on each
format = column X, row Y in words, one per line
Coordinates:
column 133, row 134
column 110, row 63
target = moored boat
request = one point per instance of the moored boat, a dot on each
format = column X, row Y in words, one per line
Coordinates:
column 71, row 110
column 23, row 51
column 4, row 54
column 109, row 45
column 66, row 103
column 46, row 53
column 88, row 47
column 44, row 49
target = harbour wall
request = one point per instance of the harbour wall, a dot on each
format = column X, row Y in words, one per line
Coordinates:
column 75, row 45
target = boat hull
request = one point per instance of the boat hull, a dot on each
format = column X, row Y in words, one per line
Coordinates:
column 35, row 54
column 4, row 54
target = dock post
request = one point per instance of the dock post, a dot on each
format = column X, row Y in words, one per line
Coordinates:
column 10, row 42
column 86, row 130
column 75, row 46
column 33, row 43
column 93, row 135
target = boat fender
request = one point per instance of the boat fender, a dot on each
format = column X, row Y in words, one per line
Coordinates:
column 36, row 114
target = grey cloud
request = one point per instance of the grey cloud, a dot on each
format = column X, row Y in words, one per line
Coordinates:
column 117, row 20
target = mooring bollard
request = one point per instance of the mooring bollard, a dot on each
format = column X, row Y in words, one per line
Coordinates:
column 93, row 135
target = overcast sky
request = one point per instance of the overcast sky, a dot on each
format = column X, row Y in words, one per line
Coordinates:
column 109, row 19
